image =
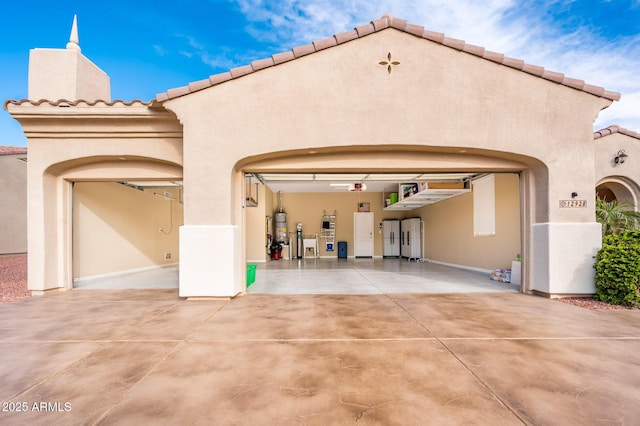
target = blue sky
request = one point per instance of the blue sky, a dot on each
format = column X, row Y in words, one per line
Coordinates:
column 149, row 46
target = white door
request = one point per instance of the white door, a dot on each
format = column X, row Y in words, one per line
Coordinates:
column 363, row 234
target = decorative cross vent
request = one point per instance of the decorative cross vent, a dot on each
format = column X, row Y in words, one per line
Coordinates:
column 389, row 63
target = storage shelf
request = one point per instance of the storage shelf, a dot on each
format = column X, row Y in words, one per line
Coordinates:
column 425, row 197
column 328, row 230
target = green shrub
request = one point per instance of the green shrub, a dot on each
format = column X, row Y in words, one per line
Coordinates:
column 618, row 269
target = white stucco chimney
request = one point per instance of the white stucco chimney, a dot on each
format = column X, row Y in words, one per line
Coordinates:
column 56, row 74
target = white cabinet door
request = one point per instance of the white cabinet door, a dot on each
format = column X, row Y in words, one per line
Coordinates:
column 391, row 238
column 414, row 239
column 363, row 234
column 404, row 243
column 411, row 239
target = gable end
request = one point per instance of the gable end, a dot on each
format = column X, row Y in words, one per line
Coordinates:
column 388, row 21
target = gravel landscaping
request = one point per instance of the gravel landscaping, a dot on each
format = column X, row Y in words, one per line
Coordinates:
column 589, row 303
column 13, row 278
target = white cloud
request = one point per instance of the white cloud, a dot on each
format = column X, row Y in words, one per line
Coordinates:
column 520, row 29
column 159, row 50
column 294, row 22
column 194, row 48
column 624, row 113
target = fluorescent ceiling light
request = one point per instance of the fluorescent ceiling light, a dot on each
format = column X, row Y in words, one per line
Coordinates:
column 391, row 177
column 328, row 176
column 286, row 177
column 154, row 183
column 444, row 176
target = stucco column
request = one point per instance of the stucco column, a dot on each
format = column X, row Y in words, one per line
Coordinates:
column 36, row 239
column 562, row 257
column 211, row 246
column 46, row 223
column 210, row 261
column 565, row 239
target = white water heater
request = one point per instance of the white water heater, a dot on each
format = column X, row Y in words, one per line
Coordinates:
column 281, row 233
column 281, row 228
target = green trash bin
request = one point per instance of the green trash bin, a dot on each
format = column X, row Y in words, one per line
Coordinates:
column 251, row 273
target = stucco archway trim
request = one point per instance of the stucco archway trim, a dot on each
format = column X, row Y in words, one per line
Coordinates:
column 410, row 158
column 624, row 189
column 381, row 158
column 103, row 168
column 50, row 210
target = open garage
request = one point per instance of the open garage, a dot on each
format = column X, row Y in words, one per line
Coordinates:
column 461, row 236
column 337, row 106
column 125, row 234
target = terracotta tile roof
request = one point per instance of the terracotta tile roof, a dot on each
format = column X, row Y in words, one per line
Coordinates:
column 615, row 129
column 13, row 150
column 385, row 22
column 80, row 102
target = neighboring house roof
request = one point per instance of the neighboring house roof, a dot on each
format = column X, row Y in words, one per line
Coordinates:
column 13, row 150
column 615, row 129
column 387, row 21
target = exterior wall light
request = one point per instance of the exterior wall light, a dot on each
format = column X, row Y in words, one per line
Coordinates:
column 620, row 157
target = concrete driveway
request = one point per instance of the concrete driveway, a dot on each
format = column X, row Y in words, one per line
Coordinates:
column 149, row 357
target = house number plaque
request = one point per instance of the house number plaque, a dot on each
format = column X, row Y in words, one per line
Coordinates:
column 572, row 203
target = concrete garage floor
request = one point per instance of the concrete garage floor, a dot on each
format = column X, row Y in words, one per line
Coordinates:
column 369, row 276
column 149, row 357
column 164, row 277
column 327, row 276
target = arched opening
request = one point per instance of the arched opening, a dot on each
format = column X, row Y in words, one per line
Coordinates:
column 121, row 221
column 311, row 187
column 617, row 188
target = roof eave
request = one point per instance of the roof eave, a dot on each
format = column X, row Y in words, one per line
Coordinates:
column 385, row 22
column 614, row 128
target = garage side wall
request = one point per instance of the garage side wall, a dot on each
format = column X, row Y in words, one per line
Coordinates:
column 117, row 229
column 449, row 229
column 255, row 225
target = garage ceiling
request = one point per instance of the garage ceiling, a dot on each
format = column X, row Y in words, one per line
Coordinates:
column 152, row 184
column 344, row 182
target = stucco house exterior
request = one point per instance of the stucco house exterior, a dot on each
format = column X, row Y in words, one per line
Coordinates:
column 386, row 98
column 13, row 200
column 613, row 180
